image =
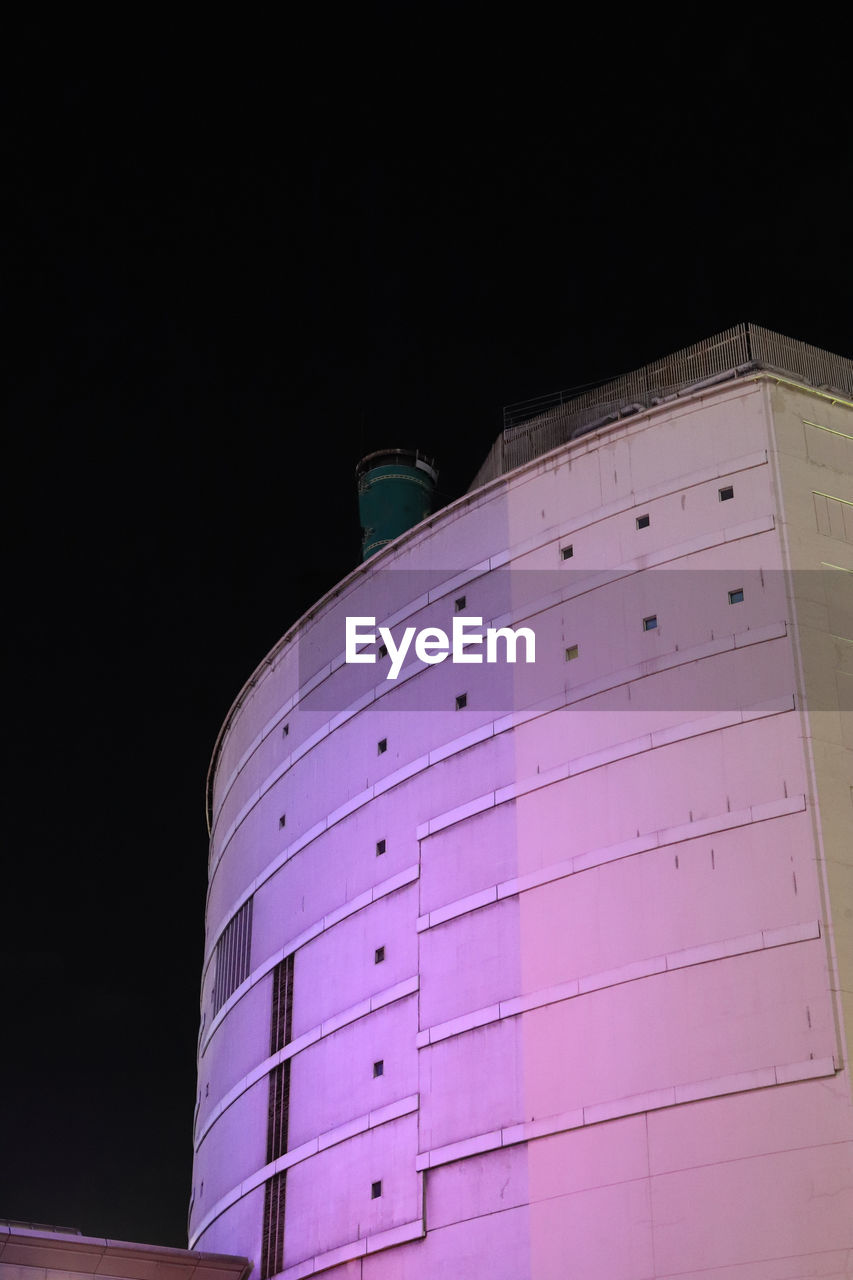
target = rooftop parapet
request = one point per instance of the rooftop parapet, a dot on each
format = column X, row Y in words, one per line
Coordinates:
column 534, row 427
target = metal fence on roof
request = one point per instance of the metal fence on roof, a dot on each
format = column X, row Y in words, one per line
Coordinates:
column 533, row 427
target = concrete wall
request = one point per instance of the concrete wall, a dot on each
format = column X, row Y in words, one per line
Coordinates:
column 610, row 894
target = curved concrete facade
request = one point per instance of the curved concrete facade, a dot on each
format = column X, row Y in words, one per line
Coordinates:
column 545, row 969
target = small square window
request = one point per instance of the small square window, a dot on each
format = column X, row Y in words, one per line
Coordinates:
column 461, row 701
column 566, row 553
column 643, row 522
column 285, row 730
column 571, row 652
column 382, row 746
column 727, row 492
column 379, row 955
column 649, row 624
column 379, row 1068
column 459, row 604
column 375, row 1190
column 736, row 596
column 383, row 651
column 380, row 848
column 282, row 822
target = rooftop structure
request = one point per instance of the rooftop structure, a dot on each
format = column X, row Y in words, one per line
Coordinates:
column 33, row 1251
column 533, row 427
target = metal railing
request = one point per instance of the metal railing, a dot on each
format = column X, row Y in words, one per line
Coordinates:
column 533, row 427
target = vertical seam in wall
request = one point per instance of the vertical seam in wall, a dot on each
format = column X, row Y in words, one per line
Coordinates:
column 808, row 752
column 651, row 1197
column 419, row 1057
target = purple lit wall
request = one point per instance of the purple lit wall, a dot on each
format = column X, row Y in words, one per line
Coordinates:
column 557, row 983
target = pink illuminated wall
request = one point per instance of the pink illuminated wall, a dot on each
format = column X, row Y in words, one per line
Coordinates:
column 570, row 965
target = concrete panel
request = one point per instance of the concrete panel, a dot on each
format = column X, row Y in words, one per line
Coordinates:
column 238, row 1045
column 233, row 1148
column 339, row 967
column 739, row 1126
column 241, row 1221
column 333, row 1080
column 329, row 1200
column 770, row 1206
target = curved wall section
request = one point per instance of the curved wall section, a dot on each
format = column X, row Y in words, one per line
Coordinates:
column 532, row 969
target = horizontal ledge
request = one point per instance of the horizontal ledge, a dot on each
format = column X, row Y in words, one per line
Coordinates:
column 305, row 1151
column 400, row 991
column 382, row 890
column 354, row 1249
column 488, row 729
column 635, row 971
column 611, row 755
column 665, row 555
column 652, row 840
column 636, row 1104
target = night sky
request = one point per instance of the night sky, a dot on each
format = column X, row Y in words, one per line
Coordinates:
column 235, row 260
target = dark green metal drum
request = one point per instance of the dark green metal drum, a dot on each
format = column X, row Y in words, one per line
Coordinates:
column 396, row 488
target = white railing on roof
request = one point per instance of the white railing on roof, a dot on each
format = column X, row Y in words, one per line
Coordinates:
column 533, row 427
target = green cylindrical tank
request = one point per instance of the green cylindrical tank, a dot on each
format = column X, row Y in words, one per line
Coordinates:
column 395, row 491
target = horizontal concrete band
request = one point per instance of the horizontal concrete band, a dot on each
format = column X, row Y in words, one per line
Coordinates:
column 405, row 877
column 763, row 524
column 610, row 755
column 585, row 861
column 752, row 943
column 511, row 888
column 599, row 1113
column 663, row 662
column 510, row 1135
column 355, row 1249
column 500, row 561
column 380, row 1000
column 505, row 724
column 581, row 862
column 373, row 1119
column 664, row 838
column 764, row 940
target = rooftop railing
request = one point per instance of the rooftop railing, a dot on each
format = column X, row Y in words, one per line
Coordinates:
column 533, row 427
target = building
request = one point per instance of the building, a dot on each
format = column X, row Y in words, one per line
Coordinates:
column 33, row 1251
column 546, row 969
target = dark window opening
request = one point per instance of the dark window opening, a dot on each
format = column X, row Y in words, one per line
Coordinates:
column 272, row 1238
column 379, row 1067
column 281, row 1021
column 461, row 701
column 566, row 553
column 736, row 596
column 233, row 952
column 380, row 847
column 650, row 623
column 379, row 955
column 285, row 731
column 375, row 1190
column 278, row 1110
column 643, row 522
column 571, row 652
column 727, row 492
column 282, row 822
column 459, row 604
column 383, row 651
column 381, row 746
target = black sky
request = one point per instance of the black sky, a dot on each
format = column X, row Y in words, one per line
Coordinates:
column 234, row 261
